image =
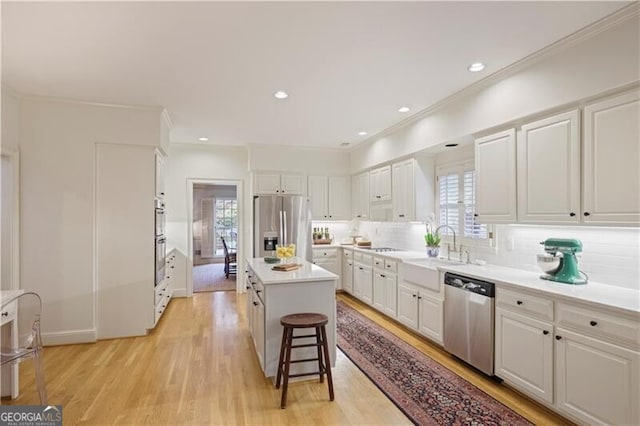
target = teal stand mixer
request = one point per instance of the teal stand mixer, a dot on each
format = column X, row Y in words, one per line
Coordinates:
column 564, row 268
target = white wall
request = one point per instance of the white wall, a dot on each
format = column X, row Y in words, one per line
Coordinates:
column 604, row 61
column 57, row 154
column 10, row 120
column 206, row 162
column 310, row 161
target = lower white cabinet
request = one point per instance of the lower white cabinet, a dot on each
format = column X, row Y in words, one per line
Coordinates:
column 385, row 287
column 328, row 259
column 363, row 280
column 596, row 381
column 581, row 361
column 418, row 309
column 524, row 353
column 347, row 271
column 257, row 325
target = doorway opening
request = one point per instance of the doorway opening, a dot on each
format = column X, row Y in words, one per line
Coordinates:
column 215, row 237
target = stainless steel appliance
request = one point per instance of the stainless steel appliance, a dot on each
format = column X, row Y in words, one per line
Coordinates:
column 469, row 320
column 161, row 255
column 160, row 218
column 281, row 219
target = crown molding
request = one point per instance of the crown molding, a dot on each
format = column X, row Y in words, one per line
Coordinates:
column 613, row 20
column 167, row 118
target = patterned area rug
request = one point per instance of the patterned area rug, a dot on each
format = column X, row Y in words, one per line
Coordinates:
column 424, row 390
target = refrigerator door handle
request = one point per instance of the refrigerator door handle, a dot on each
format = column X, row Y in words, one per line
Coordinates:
column 281, row 234
column 284, row 228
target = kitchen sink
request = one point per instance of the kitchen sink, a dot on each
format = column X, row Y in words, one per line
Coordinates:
column 424, row 272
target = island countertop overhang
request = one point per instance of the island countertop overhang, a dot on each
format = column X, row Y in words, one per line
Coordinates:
column 308, row 272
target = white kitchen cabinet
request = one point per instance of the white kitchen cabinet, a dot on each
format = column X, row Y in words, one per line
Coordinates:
column 161, row 177
column 596, row 381
column 404, row 191
column 548, row 169
column 380, row 184
column 420, row 310
column 363, row 279
column 611, row 149
column 360, row 196
column 330, row 197
column 524, row 353
column 329, row 259
column 280, row 184
column 257, row 326
column 385, row 286
column 495, row 166
column 347, row 270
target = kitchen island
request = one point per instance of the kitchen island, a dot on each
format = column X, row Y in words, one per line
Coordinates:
column 273, row 294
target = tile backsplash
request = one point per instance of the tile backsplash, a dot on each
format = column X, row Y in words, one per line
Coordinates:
column 611, row 255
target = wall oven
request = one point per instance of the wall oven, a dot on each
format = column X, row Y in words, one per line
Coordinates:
column 160, row 218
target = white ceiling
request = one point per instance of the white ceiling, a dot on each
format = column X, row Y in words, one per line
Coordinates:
column 347, row 66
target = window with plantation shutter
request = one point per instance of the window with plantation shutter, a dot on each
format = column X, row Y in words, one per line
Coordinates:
column 456, row 205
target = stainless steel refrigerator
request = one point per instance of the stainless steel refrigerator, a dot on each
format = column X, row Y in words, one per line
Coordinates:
column 281, row 219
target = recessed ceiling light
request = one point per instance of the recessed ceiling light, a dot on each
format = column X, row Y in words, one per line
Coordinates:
column 363, row 133
column 476, row 66
column 281, row 95
column 203, row 139
column 451, row 145
column 404, row 109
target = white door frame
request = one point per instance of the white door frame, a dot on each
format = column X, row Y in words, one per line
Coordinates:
column 240, row 246
column 14, row 158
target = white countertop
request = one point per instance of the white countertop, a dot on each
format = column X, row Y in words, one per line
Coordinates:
column 307, row 273
column 624, row 299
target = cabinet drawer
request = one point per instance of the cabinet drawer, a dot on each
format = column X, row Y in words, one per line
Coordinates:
column 596, row 323
column 324, row 253
column 391, row 265
column 525, row 303
column 9, row 313
column 378, row 262
column 347, row 254
column 160, row 292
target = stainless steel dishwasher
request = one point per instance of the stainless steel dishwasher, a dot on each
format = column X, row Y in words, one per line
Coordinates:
column 469, row 320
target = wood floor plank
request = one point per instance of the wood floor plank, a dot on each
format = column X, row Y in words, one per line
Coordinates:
column 199, row 367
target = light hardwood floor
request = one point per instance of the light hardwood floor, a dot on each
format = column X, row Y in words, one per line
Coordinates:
column 198, row 367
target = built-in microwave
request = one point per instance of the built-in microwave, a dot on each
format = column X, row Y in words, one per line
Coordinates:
column 161, row 255
column 160, row 218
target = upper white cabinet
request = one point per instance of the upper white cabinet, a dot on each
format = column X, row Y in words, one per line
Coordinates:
column 611, row 175
column 330, row 197
column 160, row 176
column 549, row 170
column 360, row 193
column 495, row 162
column 380, row 184
column 404, row 190
column 276, row 183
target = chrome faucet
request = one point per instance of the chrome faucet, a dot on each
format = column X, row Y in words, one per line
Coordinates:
column 452, row 230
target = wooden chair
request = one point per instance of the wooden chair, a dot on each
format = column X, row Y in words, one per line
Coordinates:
column 230, row 261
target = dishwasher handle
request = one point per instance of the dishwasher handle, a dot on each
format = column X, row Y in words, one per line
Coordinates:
column 469, row 284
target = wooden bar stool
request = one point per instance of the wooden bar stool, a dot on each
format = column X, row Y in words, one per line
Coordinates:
column 305, row 320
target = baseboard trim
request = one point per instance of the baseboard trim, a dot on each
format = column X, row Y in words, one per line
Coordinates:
column 179, row 292
column 70, row 337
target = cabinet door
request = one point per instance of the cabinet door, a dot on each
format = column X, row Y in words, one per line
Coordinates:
column 596, row 382
column 430, row 321
column 318, row 194
column 267, row 183
column 339, row 204
column 361, row 192
column 611, row 176
column 549, row 170
column 347, row 276
column 293, row 184
column 380, row 184
column 390, row 295
column 524, row 354
column 408, row 305
column 403, row 193
column 495, row 162
column 160, row 176
column 357, row 280
column 378, row 290
column 258, row 329
column 367, row 284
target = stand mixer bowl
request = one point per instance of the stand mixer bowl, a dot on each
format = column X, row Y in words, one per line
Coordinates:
column 549, row 263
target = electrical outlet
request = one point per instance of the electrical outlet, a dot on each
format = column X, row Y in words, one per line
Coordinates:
column 510, row 244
